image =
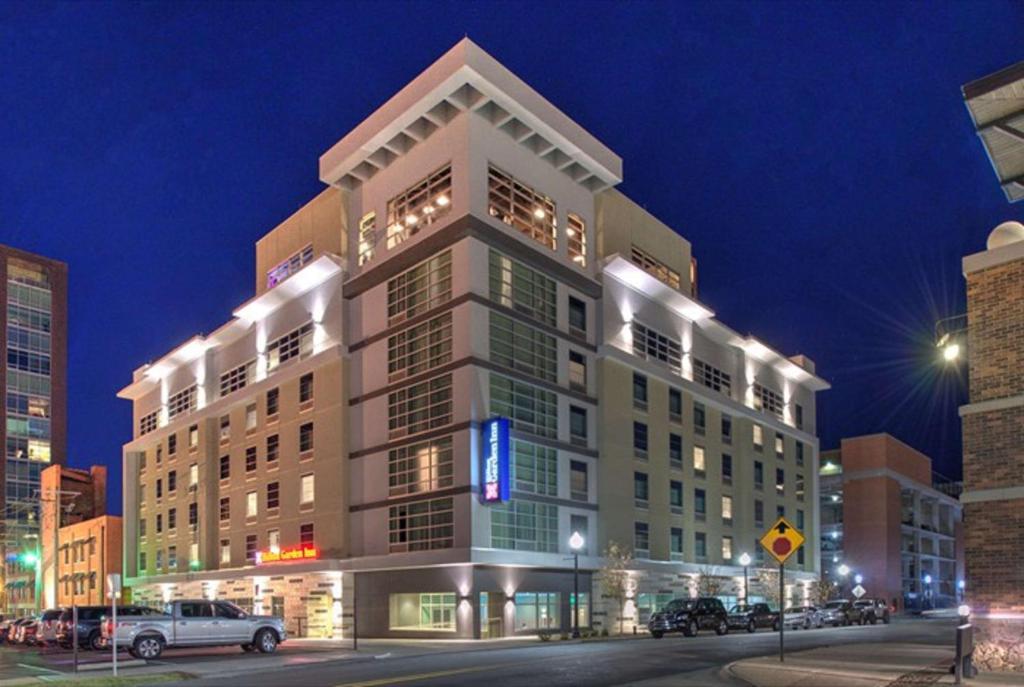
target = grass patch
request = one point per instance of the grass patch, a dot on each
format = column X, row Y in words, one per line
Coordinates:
column 121, row 680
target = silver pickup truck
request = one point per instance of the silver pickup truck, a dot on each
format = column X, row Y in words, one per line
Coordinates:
column 194, row 623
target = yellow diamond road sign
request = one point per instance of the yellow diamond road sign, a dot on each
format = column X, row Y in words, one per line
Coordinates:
column 782, row 540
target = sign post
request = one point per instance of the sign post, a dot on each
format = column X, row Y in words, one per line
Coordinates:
column 114, row 590
column 859, row 591
column 782, row 540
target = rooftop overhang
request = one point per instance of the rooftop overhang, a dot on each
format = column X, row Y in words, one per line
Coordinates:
column 148, row 377
column 647, row 284
column 467, row 79
column 996, row 105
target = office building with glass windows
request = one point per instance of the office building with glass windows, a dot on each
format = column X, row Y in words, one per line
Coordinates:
column 33, row 374
column 428, row 393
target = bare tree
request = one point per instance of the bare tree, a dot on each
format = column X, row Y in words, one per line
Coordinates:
column 709, row 582
column 822, row 592
column 768, row 580
column 615, row 577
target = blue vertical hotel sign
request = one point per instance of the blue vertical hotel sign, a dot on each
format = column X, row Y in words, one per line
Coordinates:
column 494, row 472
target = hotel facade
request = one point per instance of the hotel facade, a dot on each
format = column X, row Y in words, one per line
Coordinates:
column 468, row 347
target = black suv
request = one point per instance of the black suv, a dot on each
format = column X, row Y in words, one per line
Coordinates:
column 89, row 618
column 873, row 610
column 689, row 616
column 752, row 616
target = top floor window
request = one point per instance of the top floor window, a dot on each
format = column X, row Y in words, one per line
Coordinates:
column 420, row 288
column 711, row 377
column 522, row 208
column 280, row 272
column 767, row 400
column 182, row 402
column 297, row 343
column 419, row 206
column 655, row 267
column 652, row 345
column 27, row 273
column 235, row 379
column 367, row 237
column 576, row 239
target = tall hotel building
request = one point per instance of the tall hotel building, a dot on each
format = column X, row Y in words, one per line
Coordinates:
column 33, row 374
column 330, row 452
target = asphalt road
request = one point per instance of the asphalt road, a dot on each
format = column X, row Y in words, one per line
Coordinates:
column 672, row 660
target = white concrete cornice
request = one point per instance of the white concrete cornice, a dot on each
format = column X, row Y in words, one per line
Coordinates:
column 984, row 495
column 993, row 257
column 992, row 405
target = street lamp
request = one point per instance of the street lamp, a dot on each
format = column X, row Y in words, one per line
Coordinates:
column 576, row 543
column 960, row 587
column 844, row 570
column 928, row 589
column 745, row 561
column 858, row 578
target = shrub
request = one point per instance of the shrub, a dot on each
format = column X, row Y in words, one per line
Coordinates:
column 544, row 636
column 604, row 632
column 564, row 636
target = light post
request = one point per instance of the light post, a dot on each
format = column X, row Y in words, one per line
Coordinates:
column 576, row 543
column 858, row 578
column 960, row 589
column 928, row 590
column 745, row 561
column 843, row 571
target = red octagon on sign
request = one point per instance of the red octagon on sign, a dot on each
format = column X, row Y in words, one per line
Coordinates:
column 781, row 546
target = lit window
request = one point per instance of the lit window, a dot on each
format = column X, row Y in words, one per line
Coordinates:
column 420, row 467
column 576, row 239
column 726, row 549
column 522, row 208
column 293, row 264
column 727, row 510
column 758, row 436
column 655, row 267
column 193, row 437
column 306, row 489
column 250, row 418
column 297, row 343
column 367, row 237
column 577, row 371
column 225, row 551
column 274, row 539
column 419, row 206
column 699, row 461
column 252, row 504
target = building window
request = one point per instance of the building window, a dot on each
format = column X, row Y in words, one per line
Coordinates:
column 780, row 447
column 252, row 506
column 799, row 487
column 159, row 454
column 675, row 497
column 159, row 488
column 726, row 468
column 759, row 513
column 641, row 540
column 675, row 451
column 726, row 429
column 529, row 408
column 654, row 267
column 421, row 526
column 142, row 528
column 757, row 432
column 699, row 461
column 652, row 345
column 758, row 474
column 421, row 288
column 577, row 316
column 700, row 504
column 798, row 412
column 148, row 422
column 193, row 514
column 273, row 495
column 640, row 440
column 699, row 418
column 193, row 437
column 306, row 534
column 522, row 208
column 675, row 543
column 159, row 530
column 576, row 239
column 172, row 481
column 420, row 407
column 419, row 206
column 172, row 558
column 273, row 539
column 579, row 489
column 225, row 467
column 419, row 612
column 538, row 611
column 767, row 400
column 287, row 268
column 420, row 348
column 675, row 405
column 525, row 526
column 225, row 509
column 700, row 546
column 172, row 444
column 306, row 438
column 297, row 343
column 307, row 489
column 800, row 454
column 159, row 562
column 250, row 459
column 780, row 480
column 578, row 425
column 534, row 468
column 238, row 378
column 182, row 402
column 306, row 388
column 225, row 552
column 711, row 377
column 367, row 237
column 726, row 549
column 272, row 449
column 142, row 561
column 799, row 519
column 641, row 492
column 780, row 511
column 273, row 402
column 521, row 347
column 726, row 510
column 420, row 467
column 639, row 391
column 527, row 291
column 251, row 545
column 225, row 428
column 577, row 371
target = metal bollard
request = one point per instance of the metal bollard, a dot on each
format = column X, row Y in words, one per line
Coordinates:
column 964, row 667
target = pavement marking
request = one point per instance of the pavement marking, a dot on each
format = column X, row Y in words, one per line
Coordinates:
column 45, row 670
column 440, row 673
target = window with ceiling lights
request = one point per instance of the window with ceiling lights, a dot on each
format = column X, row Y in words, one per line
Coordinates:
column 521, row 207
column 576, row 239
column 419, row 206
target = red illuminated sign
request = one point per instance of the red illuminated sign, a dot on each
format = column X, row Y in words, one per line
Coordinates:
column 294, row 553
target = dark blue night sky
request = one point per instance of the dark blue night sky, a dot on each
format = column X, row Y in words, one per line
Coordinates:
column 818, row 156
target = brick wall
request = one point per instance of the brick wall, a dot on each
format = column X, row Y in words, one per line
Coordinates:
column 995, row 334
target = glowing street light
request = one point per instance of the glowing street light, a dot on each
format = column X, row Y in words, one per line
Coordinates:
column 844, row 570
column 576, row 543
column 950, row 352
column 745, row 561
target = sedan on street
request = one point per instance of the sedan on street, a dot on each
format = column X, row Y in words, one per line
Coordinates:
column 803, row 617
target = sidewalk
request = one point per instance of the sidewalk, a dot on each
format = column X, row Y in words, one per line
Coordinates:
column 862, row 665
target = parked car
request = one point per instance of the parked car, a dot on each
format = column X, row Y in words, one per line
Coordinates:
column 690, row 616
column 841, row 612
column 749, row 617
column 873, row 610
column 194, row 623
column 90, row 619
column 48, row 623
column 5, row 627
column 12, row 629
column 27, row 631
column 804, row 617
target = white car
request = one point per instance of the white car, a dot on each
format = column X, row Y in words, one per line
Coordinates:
column 803, row 617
